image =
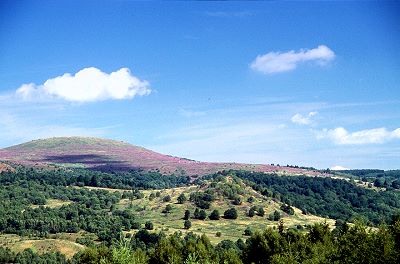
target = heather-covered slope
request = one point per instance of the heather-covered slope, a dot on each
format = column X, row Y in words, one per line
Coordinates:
column 104, row 154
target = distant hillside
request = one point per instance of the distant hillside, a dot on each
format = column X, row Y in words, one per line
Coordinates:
column 111, row 155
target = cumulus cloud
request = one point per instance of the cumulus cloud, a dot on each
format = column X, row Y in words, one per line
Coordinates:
column 275, row 62
column 88, row 85
column 339, row 168
column 341, row 136
column 303, row 120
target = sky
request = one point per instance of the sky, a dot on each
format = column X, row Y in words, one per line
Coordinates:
column 299, row 83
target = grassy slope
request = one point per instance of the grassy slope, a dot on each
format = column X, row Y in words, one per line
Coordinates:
column 146, row 210
column 63, row 243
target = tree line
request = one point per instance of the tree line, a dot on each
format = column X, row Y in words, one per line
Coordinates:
column 345, row 244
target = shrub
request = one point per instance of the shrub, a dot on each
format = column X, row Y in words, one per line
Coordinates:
column 187, row 215
column 149, row 225
column 202, row 199
column 260, row 211
column 86, row 241
column 218, row 234
column 287, row 209
column 248, row 231
column 168, row 209
column 237, row 201
column 167, row 198
column 182, row 198
column 136, row 225
column 252, row 212
column 214, row 215
column 230, row 214
column 250, row 199
column 196, row 213
column 187, row 224
column 275, row 216
column 202, row 215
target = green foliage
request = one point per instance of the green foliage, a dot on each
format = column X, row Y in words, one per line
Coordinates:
column 248, row 231
column 187, row 215
column 251, row 212
column 182, row 198
column 168, row 208
column 287, row 209
column 202, row 200
column 355, row 245
column 23, row 198
column 260, row 211
column 133, row 179
column 187, row 224
column 275, row 216
column 167, row 199
column 250, row 199
column 149, row 225
column 199, row 214
column 324, row 196
column 230, row 214
column 237, row 201
column 86, row 241
column 214, row 215
column 256, row 210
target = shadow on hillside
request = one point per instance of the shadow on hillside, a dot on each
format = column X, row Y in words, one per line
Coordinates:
column 93, row 161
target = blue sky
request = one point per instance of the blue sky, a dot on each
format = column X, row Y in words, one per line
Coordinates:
column 305, row 83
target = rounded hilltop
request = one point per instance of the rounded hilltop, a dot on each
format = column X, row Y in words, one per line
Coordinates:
column 112, row 155
column 55, row 142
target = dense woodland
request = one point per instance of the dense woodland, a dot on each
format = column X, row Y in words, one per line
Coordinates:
column 379, row 178
column 24, row 193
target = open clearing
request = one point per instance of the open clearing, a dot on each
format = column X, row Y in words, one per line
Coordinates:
column 41, row 246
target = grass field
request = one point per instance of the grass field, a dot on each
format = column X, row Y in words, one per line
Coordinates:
column 65, row 246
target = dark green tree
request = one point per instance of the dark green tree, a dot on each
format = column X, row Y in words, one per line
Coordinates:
column 214, row 215
column 231, row 213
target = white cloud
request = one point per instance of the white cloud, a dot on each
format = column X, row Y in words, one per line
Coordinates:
column 339, row 168
column 341, row 136
column 87, row 85
column 275, row 62
column 303, row 120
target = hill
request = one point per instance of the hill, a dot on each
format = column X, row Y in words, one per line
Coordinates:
column 111, row 155
column 227, row 193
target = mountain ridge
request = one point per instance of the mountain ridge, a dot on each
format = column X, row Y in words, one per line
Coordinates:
column 113, row 155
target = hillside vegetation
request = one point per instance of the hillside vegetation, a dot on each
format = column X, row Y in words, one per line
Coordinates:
column 151, row 216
